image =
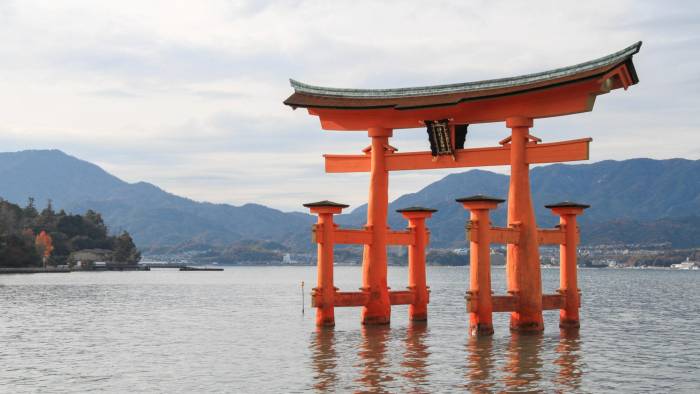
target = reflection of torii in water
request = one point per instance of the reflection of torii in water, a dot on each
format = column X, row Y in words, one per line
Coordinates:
column 447, row 110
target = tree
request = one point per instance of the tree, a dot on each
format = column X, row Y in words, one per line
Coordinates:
column 30, row 211
column 97, row 226
column 48, row 211
column 59, row 234
column 44, row 246
column 47, row 219
column 10, row 218
column 16, row 251
column 124, row 250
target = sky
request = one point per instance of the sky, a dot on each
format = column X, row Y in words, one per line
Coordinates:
column 188, row 95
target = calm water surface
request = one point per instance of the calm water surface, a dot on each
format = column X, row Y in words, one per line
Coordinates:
column 242, row 330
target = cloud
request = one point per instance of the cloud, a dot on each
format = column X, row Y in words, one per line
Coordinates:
column 113, row 93
column 188, row 95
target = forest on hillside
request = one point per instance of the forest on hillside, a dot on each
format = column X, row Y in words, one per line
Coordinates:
column 30, row 238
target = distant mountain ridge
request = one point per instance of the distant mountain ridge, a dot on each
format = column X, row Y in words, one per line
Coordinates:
column 632, row 200
column 151, row 215
column 619, row 192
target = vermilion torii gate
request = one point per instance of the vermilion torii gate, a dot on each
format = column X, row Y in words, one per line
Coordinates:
column 516, row 101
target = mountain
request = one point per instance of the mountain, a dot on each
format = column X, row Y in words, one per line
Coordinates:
column 153, row 217
column 637, row 199
column 632, row 201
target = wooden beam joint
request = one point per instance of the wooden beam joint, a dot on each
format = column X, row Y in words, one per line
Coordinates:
column 497, row 235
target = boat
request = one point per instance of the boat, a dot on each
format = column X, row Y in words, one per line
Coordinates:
column 187, row 268
column 686, row 265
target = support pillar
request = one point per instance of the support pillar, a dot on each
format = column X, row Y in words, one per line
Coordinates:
column 418, row 310
column 568, row 281
column 374, row 258
column 324, row 292
column 479, row 294
column 523, row 263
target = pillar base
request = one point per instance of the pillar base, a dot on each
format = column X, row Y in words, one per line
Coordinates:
column 481, row 329
column 325, row 322
column 518, row 324
column 418, row 312
column 377, row 311
column 375, row 320
column 570, row 324
column 418, row 317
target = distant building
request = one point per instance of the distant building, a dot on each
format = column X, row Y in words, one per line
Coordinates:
column 86, row 258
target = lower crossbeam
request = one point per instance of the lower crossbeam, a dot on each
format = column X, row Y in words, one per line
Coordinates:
column 509, row 303
column 361, row 298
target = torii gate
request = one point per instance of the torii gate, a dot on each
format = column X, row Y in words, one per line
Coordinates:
column 515, row 101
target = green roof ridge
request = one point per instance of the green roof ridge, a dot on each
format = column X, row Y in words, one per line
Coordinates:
column 609, row 60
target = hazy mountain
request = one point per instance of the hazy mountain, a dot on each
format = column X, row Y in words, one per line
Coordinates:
column 639, row 200
column 151, row 215
column 620, row 193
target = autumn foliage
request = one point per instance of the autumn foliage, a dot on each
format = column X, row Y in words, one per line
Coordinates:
column 44, row 244
column 29, row 238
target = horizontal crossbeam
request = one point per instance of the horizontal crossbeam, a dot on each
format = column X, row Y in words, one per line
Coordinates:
column 553, row 301
column 362, row 236
column 510, row 235
column 551, row 237
column 509, row 303
column 361, row 298
column 497, row 235
column 401, row 297
column 552, row 152
column 342, row 236
column 405, row 237
column 352, row 237
column 504, row 303
column 351, row 298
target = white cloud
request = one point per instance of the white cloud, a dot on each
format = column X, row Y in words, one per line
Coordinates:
column 188, row 94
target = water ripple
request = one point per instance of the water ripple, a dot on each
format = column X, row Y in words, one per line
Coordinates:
column 242, row 330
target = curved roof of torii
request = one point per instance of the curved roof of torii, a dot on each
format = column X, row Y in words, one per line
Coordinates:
column 319, row 100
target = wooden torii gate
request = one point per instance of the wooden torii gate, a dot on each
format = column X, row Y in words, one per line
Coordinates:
column 517, row 101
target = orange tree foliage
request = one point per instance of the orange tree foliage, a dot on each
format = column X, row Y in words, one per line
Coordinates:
column 44, row 244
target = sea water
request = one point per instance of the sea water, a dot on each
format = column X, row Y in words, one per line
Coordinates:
column 243, row 330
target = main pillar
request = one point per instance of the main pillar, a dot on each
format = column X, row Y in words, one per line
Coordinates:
column 374, row 265
column 568, row 281
column 418, row 310
column 523, row 264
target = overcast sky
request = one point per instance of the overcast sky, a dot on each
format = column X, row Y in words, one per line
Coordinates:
column 188, row 94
